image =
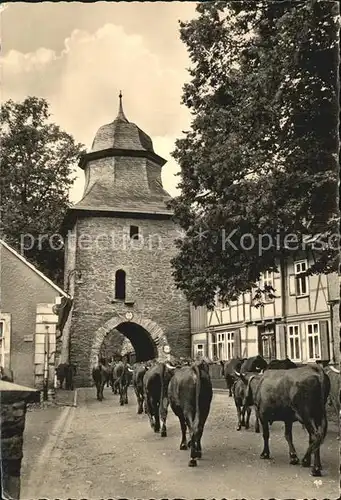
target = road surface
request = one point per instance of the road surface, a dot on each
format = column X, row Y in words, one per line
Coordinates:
column 101, row 450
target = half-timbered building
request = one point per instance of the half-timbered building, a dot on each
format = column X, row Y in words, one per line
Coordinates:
column 298, row 320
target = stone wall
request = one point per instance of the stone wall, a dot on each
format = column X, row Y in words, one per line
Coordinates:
column 150, row 286
column 12, row 417
column 69, row 286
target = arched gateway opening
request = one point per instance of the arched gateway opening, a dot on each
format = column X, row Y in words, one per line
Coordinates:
column 146, row 337
column 140, row 340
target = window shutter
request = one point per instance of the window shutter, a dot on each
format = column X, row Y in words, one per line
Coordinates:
column 282, row 333
column 237, row 343
column 324, row 340
column 292, row 284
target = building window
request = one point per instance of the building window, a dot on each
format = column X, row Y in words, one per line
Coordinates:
column 313, row 341
column 223, row 346
column 294, row 343
column 199, row 350
column 213, row 347
column 120, row 285
column 300, row 278
column 229, row 343
column 134, row 232
column 267, row 280
column 267, row 347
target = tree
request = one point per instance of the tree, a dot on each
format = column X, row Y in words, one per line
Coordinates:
column 260, row 161
column 37, row 166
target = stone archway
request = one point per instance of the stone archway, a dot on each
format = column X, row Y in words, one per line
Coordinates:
column 155, row 332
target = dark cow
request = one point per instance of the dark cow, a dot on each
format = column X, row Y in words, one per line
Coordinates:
column 190, row 395
column 242, row 401
column 139, row 371
column 155, row 385
column 281, row 364
column 100, row 375
column 254, row 364
column 245, row 388
column 110, row 366
column 292, row 395
column 228, row 371
column 112, row 382
column 244, row 391
column 239, row 390
column 6, row 374
column 334, row 395
column 123, row 375
column 66, row 371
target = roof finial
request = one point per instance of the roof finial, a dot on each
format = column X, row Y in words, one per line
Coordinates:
column 121, row 115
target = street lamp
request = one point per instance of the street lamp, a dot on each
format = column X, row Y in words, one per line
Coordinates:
column 46, row 363
column 331, row 303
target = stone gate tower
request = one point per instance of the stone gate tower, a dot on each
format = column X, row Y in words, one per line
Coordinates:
column 119, row 244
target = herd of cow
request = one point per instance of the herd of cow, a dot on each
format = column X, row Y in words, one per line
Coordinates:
column 184, row 385
column 278, row 391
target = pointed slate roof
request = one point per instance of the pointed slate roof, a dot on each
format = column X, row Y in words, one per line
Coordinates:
column 121, row 134
column 117, row 191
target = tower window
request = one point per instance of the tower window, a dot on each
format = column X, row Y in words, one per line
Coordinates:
column 120, row 285
column 134, row 232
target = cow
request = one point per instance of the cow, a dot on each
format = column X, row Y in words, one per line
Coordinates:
column 66, row 371
column 281, row 364
column 334, row 395
column 292, row 395
column 112, row 381
column 155, row 385
column 6, row 374
column 242, row 401
column 110, row 366
column 100, row 375
column 239, row 390
column 123, row 375
column 254, row 364
column 228, row 371
column 247, row 385
column 139, row 370
column 190, row 395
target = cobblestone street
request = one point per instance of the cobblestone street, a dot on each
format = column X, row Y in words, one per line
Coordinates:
column 102, row 450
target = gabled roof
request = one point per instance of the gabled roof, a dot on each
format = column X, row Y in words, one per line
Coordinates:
column 31, row 266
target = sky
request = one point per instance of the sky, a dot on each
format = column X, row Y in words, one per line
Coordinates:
column 79, row 56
